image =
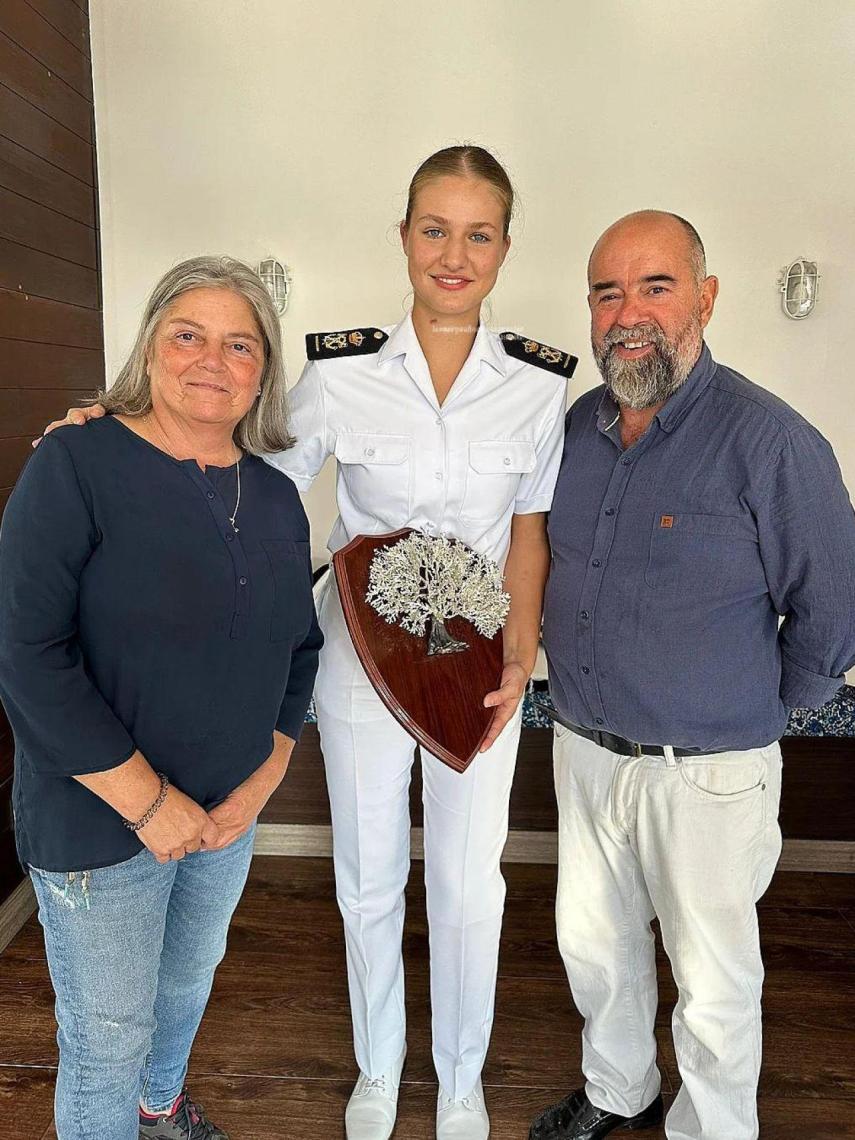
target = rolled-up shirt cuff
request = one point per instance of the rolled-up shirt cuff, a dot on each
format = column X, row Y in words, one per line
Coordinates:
column 803, row 689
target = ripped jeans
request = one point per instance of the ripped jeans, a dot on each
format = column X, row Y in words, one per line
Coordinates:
column 132, row 951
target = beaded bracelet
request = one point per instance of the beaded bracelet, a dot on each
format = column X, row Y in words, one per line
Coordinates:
column 149, row 815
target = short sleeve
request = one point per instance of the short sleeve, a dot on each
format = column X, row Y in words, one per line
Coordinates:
column 308, row 419
column 536, row 488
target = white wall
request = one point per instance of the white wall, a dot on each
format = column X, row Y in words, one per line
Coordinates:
column 250, row 126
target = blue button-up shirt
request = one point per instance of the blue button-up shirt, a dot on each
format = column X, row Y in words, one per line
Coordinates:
column 674, row 561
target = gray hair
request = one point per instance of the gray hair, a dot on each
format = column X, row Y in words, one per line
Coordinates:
column 265, row 426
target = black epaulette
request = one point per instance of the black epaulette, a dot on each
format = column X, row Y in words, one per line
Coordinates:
column 352, row 342
column 541, row 355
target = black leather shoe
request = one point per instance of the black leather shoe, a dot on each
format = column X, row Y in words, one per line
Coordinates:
column 575, row 1118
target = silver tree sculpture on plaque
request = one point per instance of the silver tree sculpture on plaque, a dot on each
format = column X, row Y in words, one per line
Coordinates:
column 420, row 582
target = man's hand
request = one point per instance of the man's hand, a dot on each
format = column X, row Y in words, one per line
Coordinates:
column 178, row 827
column 75, row 416
column 504, row 700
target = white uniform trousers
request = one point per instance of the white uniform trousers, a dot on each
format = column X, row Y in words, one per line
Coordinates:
column 693, row 841
column 368, row 758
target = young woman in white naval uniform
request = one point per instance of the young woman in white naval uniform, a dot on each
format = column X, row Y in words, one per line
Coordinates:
column 441, row 425
column 434, row 425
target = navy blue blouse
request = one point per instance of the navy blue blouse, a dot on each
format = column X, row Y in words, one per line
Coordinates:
column 133, row 616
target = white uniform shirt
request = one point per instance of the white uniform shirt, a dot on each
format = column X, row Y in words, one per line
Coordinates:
column 461, row 469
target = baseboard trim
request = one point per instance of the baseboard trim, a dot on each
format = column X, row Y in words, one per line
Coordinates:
column 536, row 847
column 15, row 911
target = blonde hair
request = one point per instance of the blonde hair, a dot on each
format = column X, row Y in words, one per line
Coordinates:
column 265, row 426
column 470, row 162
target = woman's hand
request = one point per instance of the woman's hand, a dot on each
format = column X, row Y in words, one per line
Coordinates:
column 505, row 700
column 178, row 828
column 76, row 416
column 179, row 825
column 239, row 810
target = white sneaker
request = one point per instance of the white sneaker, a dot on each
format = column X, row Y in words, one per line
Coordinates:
column 373, row 1104
column 464, row 1119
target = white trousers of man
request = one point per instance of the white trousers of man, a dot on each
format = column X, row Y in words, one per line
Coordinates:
column 368, row 758
column 693, row 841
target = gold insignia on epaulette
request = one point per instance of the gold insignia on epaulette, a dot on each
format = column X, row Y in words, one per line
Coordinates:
column 349, row 342
column 552, row 358
column 336, row 341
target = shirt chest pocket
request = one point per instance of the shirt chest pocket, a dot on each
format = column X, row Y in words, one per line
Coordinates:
column 376, row 470
column 493, row 474
column 291, row 608
column 711, row 554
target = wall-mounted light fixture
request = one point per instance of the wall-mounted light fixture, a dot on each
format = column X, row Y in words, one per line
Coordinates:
column 799, row 283
column 277, row 280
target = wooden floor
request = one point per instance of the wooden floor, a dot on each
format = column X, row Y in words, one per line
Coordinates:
column 273, row 1059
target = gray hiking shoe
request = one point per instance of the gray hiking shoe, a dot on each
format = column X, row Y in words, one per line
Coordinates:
column 186, row 1121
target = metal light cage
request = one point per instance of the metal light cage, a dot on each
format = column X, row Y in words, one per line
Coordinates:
column 277, row 280
column 799, row 284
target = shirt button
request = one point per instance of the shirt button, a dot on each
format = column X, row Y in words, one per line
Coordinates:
column 438, row 423
column 610, row 510
column 242, row 581
column 230, row 537
column 599, row 720
column 626, row 462
column 369, row 451
column 595, row 562
column 585, row 670
column 210, row 494
column 584, row 615
column 437, row 474
column 507, row 461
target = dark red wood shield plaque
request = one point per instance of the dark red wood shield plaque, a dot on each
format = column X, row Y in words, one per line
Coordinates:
column 439, row 699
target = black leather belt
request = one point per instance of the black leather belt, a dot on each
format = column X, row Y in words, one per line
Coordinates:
column 619, row 744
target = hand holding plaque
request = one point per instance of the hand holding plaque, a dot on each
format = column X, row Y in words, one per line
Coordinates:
column 424, row 614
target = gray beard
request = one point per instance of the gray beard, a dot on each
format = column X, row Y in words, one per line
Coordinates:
column 654, row 378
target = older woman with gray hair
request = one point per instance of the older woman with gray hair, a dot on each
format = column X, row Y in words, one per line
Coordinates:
column 158, row 646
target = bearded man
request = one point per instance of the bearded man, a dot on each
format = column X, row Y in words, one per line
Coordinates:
column 694, row 511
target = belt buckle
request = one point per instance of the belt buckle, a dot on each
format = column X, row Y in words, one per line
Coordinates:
column 636, row 750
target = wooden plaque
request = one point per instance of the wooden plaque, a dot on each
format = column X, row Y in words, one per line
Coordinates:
column 439, row 699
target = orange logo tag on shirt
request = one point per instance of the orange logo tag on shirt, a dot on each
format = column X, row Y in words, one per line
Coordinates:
column 667, row 521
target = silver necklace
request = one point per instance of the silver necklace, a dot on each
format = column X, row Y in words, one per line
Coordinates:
column 233, row 515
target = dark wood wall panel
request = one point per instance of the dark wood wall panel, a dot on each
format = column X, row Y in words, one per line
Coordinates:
column 31, row 318
column 24, row 364
column 812, row 766
column 27, row 412
column 65, row 17
column 25, row 26
column 42, row 275
column 44, row 229
column 5, row 751
column 10, row 874
column 33, row 129
column 31, row 80
column 51, row 342
column 32, row 177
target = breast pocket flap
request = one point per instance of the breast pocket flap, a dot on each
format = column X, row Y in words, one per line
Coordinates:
column 502, row 457
column 360, row 447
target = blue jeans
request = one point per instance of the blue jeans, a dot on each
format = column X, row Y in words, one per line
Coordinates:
column 132, row 951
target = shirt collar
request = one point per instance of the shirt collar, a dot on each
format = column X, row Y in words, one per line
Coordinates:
column 672, row 413
column 487, row 347
column 695, row 383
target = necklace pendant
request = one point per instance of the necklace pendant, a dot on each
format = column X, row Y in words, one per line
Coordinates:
column 236, row 529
